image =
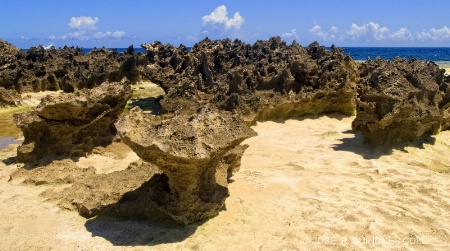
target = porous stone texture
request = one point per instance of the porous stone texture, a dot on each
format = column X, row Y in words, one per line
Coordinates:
column 196, row 154
column 72, row 123
column 67, row 69
column 399, row 101
column 9, row 97
column 259, row 82
column 445, row 103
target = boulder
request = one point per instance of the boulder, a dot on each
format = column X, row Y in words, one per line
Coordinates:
column 399, row 101
column 196, row 154
column 72, row 123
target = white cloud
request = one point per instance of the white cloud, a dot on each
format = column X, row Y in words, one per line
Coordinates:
column 220, row 17
column 83, row 23
column 402, row 34
column 317, row 32
column 84, row 27
column 367, row 31
column 108, row 34
column 290, row 35
column 434, row 34
column 80, row 35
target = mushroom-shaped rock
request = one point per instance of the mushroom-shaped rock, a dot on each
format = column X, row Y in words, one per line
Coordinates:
column 196, row 152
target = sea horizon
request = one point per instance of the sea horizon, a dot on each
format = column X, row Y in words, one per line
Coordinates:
column 439, row 55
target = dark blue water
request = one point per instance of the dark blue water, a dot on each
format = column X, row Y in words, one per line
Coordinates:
column 388, row 53
column 362, row 53
column 119, row 50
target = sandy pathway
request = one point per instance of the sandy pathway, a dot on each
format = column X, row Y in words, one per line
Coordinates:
column 303, row 185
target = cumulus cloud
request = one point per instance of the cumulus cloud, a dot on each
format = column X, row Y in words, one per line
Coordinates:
column 367, row 31
column 83, row 23
column 317, row 32
column 109, row 34
column 85, row 27
column 219, row 17
column 435, row 34
column 402, row 34
column 290, row 35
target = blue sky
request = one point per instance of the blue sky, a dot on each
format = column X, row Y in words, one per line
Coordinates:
column 121, row 23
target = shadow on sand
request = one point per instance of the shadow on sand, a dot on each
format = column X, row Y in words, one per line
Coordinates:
column 353, row 142
column 126, row 232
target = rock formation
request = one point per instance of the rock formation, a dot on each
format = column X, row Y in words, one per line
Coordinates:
column 399, row 101
column 196, row 154
column 259, row 82
column 67, row 69
column 9, row 97
column 445, row 103
column 72, row 123
column 213, row 92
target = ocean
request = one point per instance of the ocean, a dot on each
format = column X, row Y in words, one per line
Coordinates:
column 440, row 55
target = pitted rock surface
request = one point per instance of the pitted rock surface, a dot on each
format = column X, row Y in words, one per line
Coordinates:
column 197, row 153
column 72, row 123
column 399, row 101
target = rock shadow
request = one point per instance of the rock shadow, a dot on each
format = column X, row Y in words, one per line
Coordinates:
column 150, row 104
column 126, row 232
column 353, row 142
column 9, row 161
column 149, row 224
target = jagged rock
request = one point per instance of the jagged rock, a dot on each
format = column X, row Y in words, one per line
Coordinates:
column 8, row 54
column 196, row 154
column 72, row 123
column 399, row 101
column 67, row 69
column 445, row 103
column 257, row 82
column 9, row 97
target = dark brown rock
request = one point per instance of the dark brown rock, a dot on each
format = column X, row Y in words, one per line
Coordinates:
column 67, row 69
column 255, row 81
column 9, row 97
column 196, row 153
column 399, row 101
column 72, row 123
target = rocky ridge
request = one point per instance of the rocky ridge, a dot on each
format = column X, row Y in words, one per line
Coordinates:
column 67, row 69
column 258, row 82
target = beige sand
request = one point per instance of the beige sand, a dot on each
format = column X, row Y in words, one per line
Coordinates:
column 303, row 185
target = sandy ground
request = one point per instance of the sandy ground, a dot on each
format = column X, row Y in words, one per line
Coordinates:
column 305, row 184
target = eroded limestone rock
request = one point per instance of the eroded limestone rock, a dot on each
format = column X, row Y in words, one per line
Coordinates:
column 72, row 123
column 196, row 153
column 67, row 69
column 9, row 97
column 399, row 101
column 259, row 82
